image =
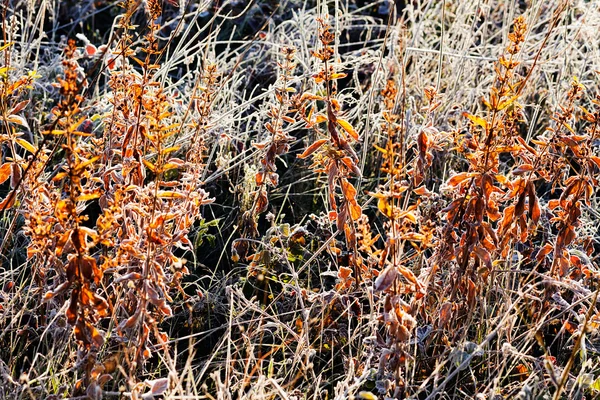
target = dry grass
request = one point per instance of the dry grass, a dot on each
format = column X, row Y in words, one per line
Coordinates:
column 299, row 199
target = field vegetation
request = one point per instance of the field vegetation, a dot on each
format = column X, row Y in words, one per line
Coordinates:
column 206, row 199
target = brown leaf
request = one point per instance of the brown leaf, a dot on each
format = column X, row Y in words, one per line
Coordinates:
column 534, row 205
column 19, row 106
column 73, row 306
column 158, row 386
column 445, row 314
column 471, row 293
column 386, row 279
column 262, row 202
column 484, row 256
column 520, row 206
column 15, row 175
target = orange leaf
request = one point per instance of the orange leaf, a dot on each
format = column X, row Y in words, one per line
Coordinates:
column 408, row 274
column 320, row 118
column 5, row 170
column 88, row 196
column 8, row 202
column 521, row 169
column 312, row 148
column 348, row 190
column 458, row 178
column 355, row 210
column 344, row 273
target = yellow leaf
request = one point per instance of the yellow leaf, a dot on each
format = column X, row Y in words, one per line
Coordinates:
column 367, row 395
column 170, row 149
column 149, row 165
column 569, row 127
column 348, row 128
column 88, row 196
column 169, row 165
column 507, row 103
column 339, row 75
column 88, row 162
column 476, row 120
column 381, row 149
column 169, row 194
column 385, row 207
column 26, row 145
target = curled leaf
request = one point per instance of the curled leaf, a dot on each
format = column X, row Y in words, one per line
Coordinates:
column 386, row 278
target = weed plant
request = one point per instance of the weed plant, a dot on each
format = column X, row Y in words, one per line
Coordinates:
column 299, row 199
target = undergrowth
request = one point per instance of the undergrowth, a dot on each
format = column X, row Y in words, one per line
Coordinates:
column 299, row 199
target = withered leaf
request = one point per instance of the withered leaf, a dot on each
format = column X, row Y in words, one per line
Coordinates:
column 158, row 386
column 445, row 314
column 458, row 178
column 312, row 148
column 484, row 256
column 5, row 170
column 262, row 202
column 73, row 306
column 534, row 205
column 386, row 279
column 344, row 273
